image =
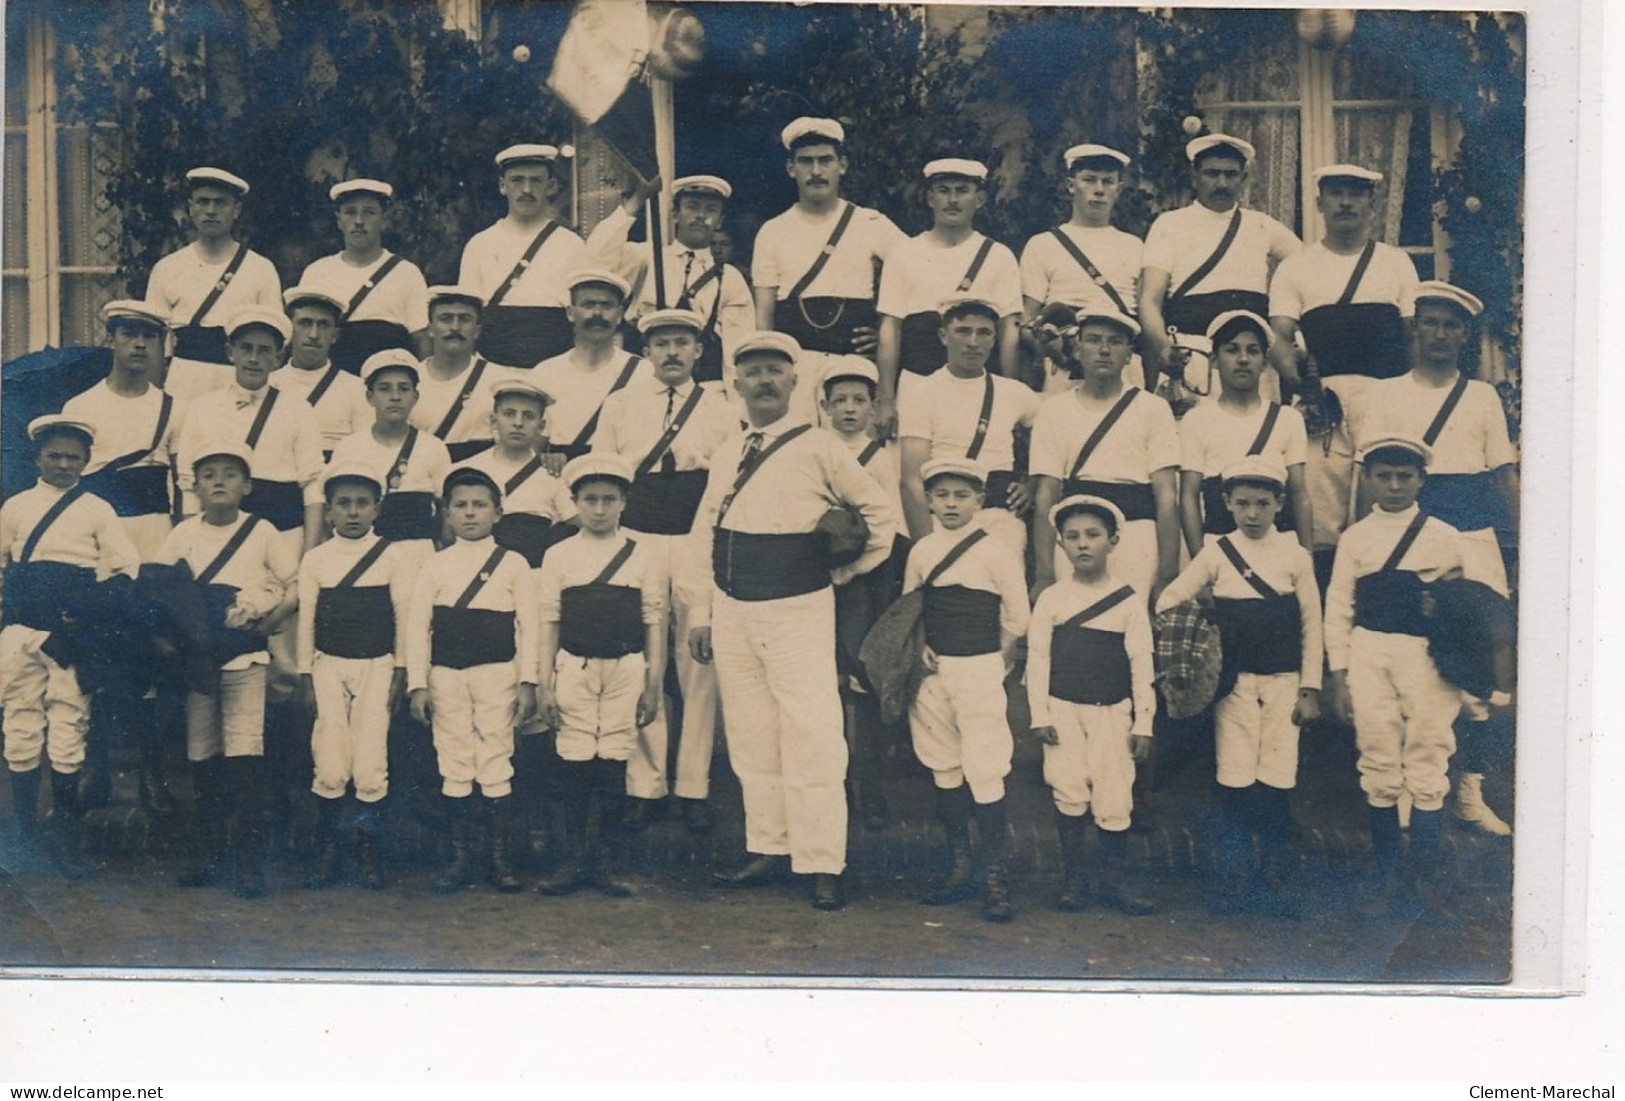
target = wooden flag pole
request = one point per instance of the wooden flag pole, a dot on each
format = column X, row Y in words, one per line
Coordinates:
column 661, row 100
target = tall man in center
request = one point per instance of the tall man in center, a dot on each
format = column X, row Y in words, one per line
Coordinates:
column 765, row 610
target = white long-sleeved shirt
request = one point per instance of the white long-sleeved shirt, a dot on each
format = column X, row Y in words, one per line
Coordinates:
column 944, row 409
column 494, row 251
column 125, row 424
column 1213, row 435
column 87, row 533
column 921, row 271
column 441, row 581
column 540, row 494
column 326, row 565
column 1280, row 560
column 788, row 243
column 1315, row 276
column 342, row 409
column 581, row 558
column 289, row 448
column 402, row 296
column 735, row 313
column 1065, row 599
column 435, row 396
column 990, row 566
column 634, row 419
column 1050, row 274
column 1143, row 441
column 183, row 279
column 426, row 467
column 579, row 391
column 1473, row 440
column 1182, row 239
column 1362, row 550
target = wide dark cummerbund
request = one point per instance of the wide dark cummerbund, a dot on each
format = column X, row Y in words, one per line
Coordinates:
column 523, row 336
column 1263, row 635
column 357, row 621
column 358, row 340
column 961, row 622
column 134, row 490
column 227, row 643
column 524, row 533
column 921, row 351
column 407, row 514
column 747, row 566
column 1361, row 338
column 825, row 324
column 601, row 621
column 1191, row 314
column 998, row 489
column 206, row 343
column 466, row 637
column 39, row 594
column 1467, row 502
column 282, row 503
column 1135, row 499
column 1391, row 601
column 1216, row 519
column 665, row 504
column 1089, row 666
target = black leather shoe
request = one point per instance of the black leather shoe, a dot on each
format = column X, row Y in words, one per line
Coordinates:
column 641, row 812
column 827, row 892
column 696, row 815
column 755, row 872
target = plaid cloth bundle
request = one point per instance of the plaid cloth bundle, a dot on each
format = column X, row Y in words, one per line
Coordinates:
column 1188, row 658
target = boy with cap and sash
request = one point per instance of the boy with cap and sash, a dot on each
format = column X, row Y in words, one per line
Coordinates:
column 1090, row 693
column 603, row 664
column 471, row 648
column 1472, row 485
column 595, row 366
column 1339, row 308
column 768, row 593
column 1267, row 606
column 949, row 260
column 519, row 265
column 311, row 374
column 454, row 381
column 1383, row 679
column 693, row 276
column 354, row 591
column 1208, row 257
column 975, row 609
column 1239, row 423
column 813, row 266
column 383, row 295
column 200, row 287
column 666, row 427
column 964, row 410
column 57, row 542
column 247, row 574
column 533, row 500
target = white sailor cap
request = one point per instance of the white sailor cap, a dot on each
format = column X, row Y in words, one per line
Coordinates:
column 959, row 467
column 1255, row 468
column 1437, row 290
column 133, row 309
column 1229, row 317
column 956, row 166
column 390, row 359
column 446, row 292
column 1110, row 316
column 522, row 387
column 217, row 177
column 56, row 422
column 1089, row 151
column 600, row 277
column 517, row 154
column 274, row 320
column 1346, row 172
column 702, row 183
column 1396, row 443
column 1084, row 502
column 596, row 464
column 967, row 303
column 223, row 448
column 1197, row 146
column 360, row 187
column 671, row 318
column 849, row 367
column 768, row 341
column 302, row 296
column 806, row 126
column 352, row 470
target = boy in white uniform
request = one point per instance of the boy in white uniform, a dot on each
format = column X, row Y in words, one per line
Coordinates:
column 1089, row 690
column 1267, row 606
column 603, row 656
column 975, row 593
column 57, row 540
column 353, row 596
column 533, row 500
column 337, row 396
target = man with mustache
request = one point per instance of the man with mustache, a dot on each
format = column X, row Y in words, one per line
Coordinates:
column 1215, row 254
column 814, row 266
column 454, row 386
column 762, row 607
column 313, row 375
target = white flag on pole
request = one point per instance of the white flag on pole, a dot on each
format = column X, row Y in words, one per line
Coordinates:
column 603, row 49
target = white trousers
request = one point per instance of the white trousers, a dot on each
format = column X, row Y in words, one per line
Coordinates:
column 1092, row 766
column 1256, row 739
column 1133, row 560
column 473, row 727
column 231, row 722
column 646, row 767
column 1403, row 719
column 350, row 739
column 960, row 728
column 46, row 713
column 775, row 664
column 598, row 705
